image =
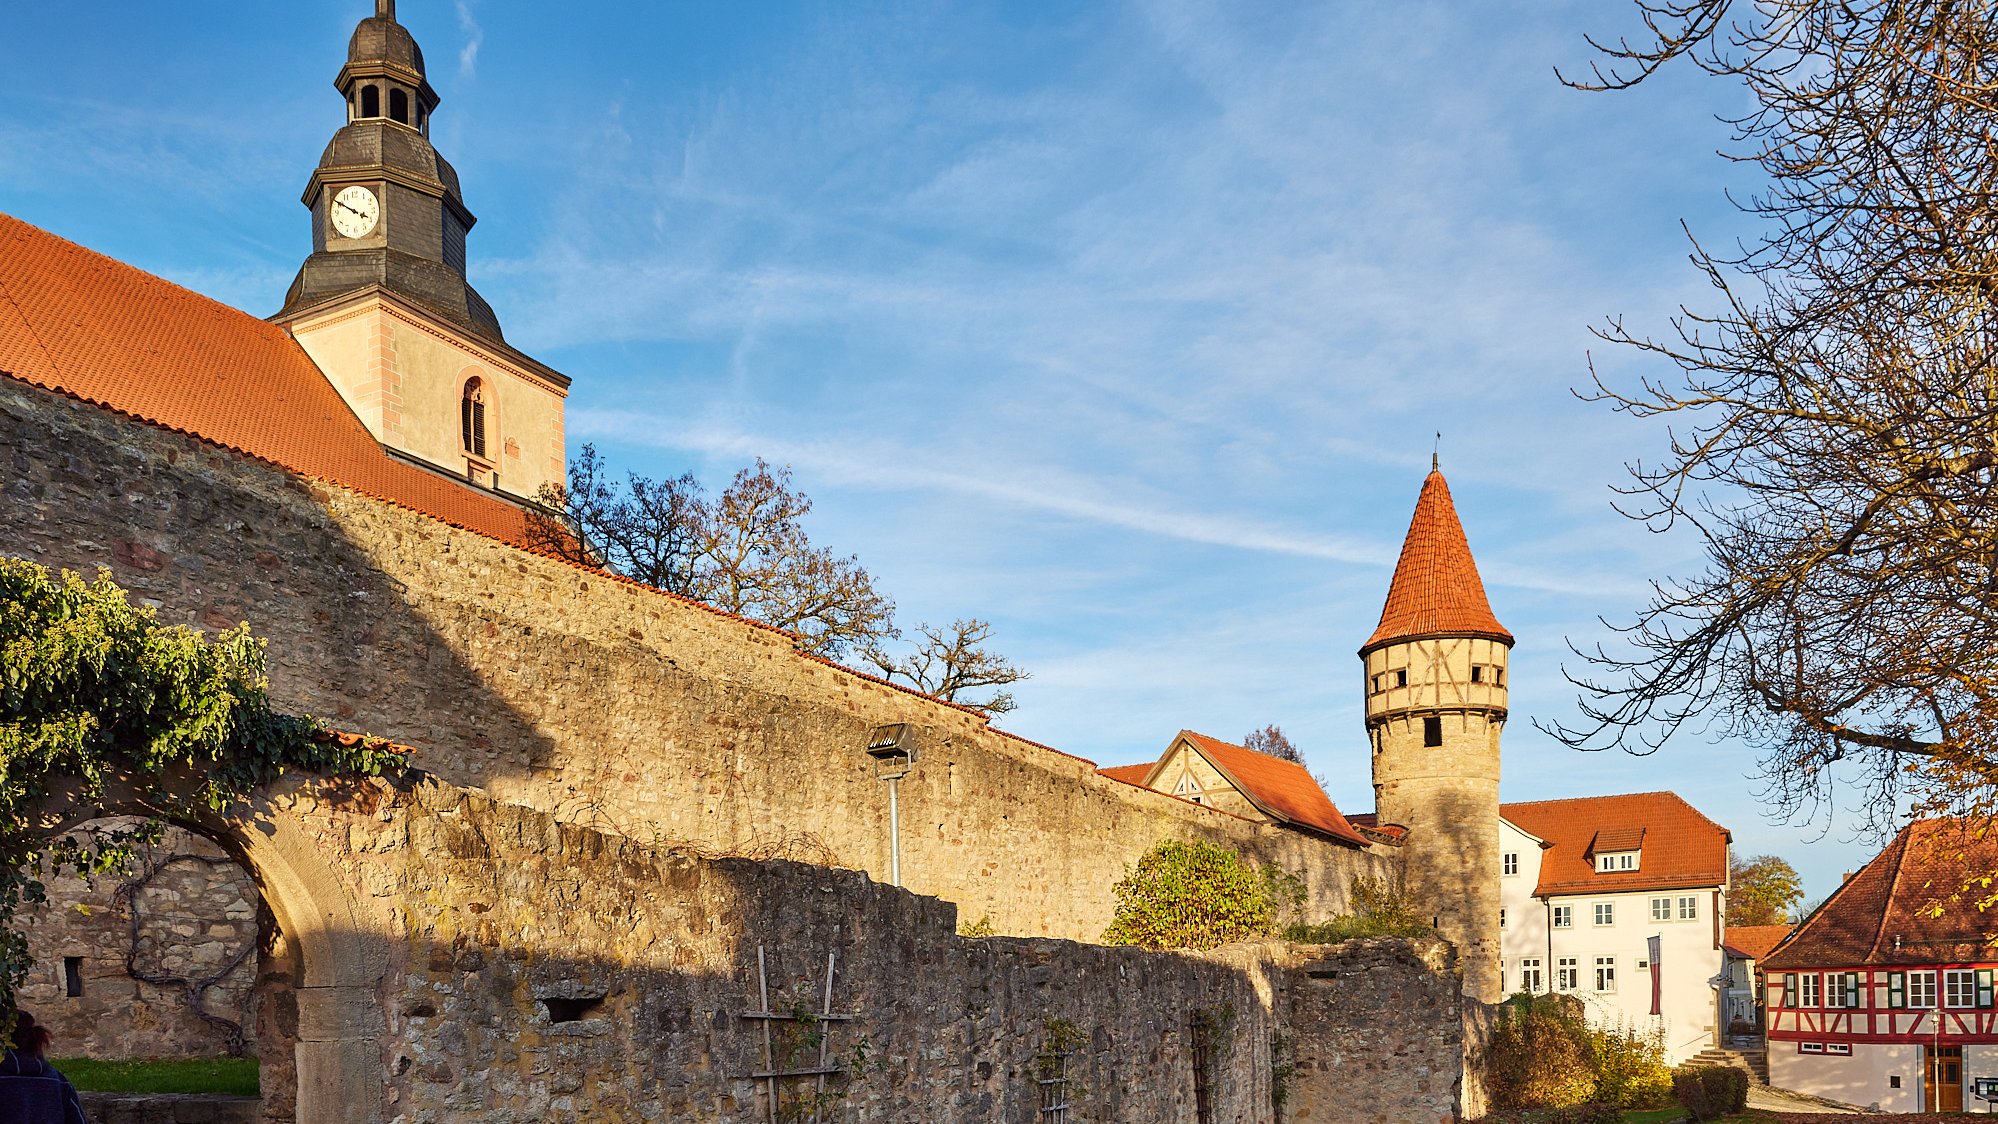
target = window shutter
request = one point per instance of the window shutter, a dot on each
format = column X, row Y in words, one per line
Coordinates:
column 1984, row 987
column 1897, row 989
column 1852, row 990
column 1789, row 989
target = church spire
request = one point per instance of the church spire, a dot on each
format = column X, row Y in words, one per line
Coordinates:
column 385, row 9
column 1436, row 589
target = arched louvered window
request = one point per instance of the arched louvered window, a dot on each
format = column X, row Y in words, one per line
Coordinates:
column 399, row 105
column 472, row 417
column 371, row 101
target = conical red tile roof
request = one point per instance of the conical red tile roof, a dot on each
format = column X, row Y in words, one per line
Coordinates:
column 1436, row 590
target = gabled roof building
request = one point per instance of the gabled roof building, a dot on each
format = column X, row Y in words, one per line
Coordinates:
column 1884, row 994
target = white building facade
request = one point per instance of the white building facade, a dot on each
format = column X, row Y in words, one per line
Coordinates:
column 1618, row 901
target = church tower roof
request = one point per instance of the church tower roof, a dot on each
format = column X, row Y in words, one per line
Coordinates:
column 1436, row 589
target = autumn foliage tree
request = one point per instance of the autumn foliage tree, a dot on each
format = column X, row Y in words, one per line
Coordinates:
column 1762, row 890
column 1833, row 410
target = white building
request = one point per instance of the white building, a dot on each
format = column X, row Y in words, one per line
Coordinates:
column 1587, row 886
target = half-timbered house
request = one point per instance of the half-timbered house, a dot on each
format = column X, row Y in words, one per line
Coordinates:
column 1884, row 995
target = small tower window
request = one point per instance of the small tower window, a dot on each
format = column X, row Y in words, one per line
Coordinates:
column 1401, row 678
column 72, row 976
column 472, row 417
column 1477, row 673
column 1432, row 731
column 399, row 105
column 371, row 101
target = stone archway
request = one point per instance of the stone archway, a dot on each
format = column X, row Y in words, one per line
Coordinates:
column 342, row 950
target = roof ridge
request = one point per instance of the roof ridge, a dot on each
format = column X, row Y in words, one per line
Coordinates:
column 1904, row 840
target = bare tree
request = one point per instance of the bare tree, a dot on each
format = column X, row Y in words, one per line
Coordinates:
column 1835, row 436
column 950, row 663
column 744, row 552
column 1272, row 741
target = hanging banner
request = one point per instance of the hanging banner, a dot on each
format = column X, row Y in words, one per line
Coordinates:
column 1657, row 992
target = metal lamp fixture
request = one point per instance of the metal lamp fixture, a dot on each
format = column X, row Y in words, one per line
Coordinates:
column 893, row 748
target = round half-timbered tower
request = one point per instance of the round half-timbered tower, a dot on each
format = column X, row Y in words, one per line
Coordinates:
column 1436, row 702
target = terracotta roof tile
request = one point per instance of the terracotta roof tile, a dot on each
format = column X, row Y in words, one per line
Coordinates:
column 1129, row 774
column 1755, row 941
column 1625, row 838
column 1436, row 588
column 1882, row 915
column 1284, row 790
column 1681, row 848
column 77, row 322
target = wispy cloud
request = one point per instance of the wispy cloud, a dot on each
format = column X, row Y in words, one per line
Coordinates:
column 468, row 55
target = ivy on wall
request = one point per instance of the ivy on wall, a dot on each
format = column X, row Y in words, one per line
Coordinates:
column 100, row 702
column 1199, row 895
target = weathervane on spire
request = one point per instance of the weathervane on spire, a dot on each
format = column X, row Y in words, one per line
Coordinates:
column 1436, row 454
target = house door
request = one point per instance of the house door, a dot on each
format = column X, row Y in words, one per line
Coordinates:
column 1943, row 1091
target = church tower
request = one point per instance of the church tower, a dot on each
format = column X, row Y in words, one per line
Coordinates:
column 383, row 305
column 1436, row 701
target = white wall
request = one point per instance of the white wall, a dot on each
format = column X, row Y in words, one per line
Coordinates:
column 1689, row 956
column 1862, row 1079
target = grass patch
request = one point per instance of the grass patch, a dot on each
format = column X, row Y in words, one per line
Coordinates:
column 233, row 1076
column 1654, row 1115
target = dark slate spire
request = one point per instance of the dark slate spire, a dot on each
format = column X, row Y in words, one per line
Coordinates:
column 386, row 208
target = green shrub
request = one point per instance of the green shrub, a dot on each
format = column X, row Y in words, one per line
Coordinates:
column 1710, row 1092
column 1630, row 1068
column 1198, row 895
column 1539, row 1054
column 1379, row 910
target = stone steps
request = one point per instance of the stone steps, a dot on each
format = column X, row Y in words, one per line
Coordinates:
column 1754, row 1061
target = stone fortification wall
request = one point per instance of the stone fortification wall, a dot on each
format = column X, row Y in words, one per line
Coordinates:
column 596, row 701
column 547, row 972
column 121, row 960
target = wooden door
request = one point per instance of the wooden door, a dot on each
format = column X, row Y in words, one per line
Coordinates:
column 1943, row 1091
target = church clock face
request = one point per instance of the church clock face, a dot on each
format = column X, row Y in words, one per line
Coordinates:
column 355, row 212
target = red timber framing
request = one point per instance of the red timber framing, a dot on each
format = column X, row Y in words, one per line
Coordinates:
column 1918, row 1004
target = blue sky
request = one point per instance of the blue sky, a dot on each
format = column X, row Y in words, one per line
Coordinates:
column 1127, row 326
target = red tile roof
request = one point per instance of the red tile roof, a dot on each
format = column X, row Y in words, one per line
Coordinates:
column 1755, row 941
column 1436, row 589
column 82, row 324
column 1283, row 790
column 1681, row 848
column 1626, row 838
column 1898, row 908
column 1129, row 774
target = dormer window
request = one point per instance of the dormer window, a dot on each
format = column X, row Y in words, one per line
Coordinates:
column 1617, row 849
column 472, row 418
column 1616, row 861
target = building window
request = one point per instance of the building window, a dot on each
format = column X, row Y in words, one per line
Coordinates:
column 1615, row 861
column 1810, row 1047
column 1432, row 731
column 1835, row 990
column 72, row 976
column 472, row 417
column 1509, row 863
column 1661, row 909
column 371, row 102
column 1789, row 991
column 1959, row 988
column 1477, row 673
column 1844, row 1048
column 1809, row 996
column 1921, row 989
column 1189, row 789
column 1564, row 917
column 1401, row 677
column 1689, row 908
column 1605, row 913
column 399, row 105
column 1501, row 917
column 1568, row 973
column 1605, row 973
column 1529, row 975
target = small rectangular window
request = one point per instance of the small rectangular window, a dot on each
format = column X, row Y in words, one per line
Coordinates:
column 1509, row 863
column 1529, row 975
column 1477, row 674
column 1401, row 677
column 1661, row 909
column 1568, row 973
column 1810, row 1047
column 1501, row 917
column 1689, row 909
column 1564, row 917
column 1605, row 973
column 1844, row 1048
column 1432, row 731
column 72, row 976
column 1959, row 988
column 1922, row 989
column 1605, row 913
column 1809, row 997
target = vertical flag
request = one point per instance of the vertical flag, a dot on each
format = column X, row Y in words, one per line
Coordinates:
column 1656, row 992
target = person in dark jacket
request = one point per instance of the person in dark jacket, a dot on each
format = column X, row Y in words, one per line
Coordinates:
column 28, row 1057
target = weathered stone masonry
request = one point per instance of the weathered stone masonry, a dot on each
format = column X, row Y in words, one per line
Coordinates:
column 584, row 696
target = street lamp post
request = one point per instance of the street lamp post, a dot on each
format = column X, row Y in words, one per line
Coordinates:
column 893, row 748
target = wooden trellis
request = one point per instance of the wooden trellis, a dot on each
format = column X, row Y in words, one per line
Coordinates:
column 774, row 1070
column 1053, row 1069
